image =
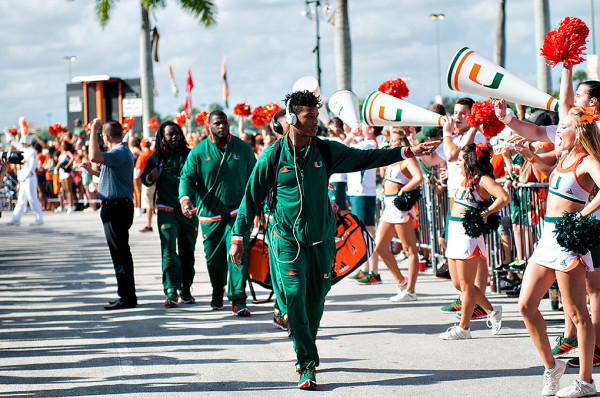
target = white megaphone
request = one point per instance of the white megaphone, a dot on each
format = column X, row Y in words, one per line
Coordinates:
column 311, row 84
column 344, row 104
column 380, row 109
column 470, row 73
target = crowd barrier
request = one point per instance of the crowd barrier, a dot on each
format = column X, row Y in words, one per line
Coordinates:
column 524, row 214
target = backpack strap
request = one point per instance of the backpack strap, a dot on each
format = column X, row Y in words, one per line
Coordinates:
column 273, row 172
column 323, row 147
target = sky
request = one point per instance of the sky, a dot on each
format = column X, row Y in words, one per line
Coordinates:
column 268, row 44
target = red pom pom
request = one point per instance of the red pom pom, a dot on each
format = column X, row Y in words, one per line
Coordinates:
column 202, row 118
column 152, row 124
column 566, row 44
column 270, row 111
column 182, row 118
column 128, row 123
column 482, row 113
column 242, row 109
column 52, row 131
column 13, row 131
column 396, row 88
column 258, row 116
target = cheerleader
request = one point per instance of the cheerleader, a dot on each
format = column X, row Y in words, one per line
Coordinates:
column 463, row 252
column 575, row 176
column 401, row 177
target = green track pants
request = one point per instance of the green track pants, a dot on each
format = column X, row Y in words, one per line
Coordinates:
column 217, row 242
column 303, row 281
column 177, row 243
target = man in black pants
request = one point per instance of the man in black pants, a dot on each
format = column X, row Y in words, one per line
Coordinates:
column 115, row 189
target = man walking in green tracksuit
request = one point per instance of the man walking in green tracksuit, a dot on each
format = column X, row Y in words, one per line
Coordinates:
column 301, row 232
column 214, row 177
column 177, row 233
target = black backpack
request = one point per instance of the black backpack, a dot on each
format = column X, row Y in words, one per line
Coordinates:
column 273, row 171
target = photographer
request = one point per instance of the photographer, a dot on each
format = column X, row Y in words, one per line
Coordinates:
column 27, row 184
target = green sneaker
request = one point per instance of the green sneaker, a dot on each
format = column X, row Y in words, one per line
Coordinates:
column 370, row 279
column 574, row 362
column 172, row 298
column 358, row 275
column 186, row 297
column 454, row 307
column 565, row 346
column 517, row 266
column 308, row 378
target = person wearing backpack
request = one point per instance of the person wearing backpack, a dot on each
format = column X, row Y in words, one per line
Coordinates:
column 302, row 225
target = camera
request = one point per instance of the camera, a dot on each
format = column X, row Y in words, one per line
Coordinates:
column 14, row 157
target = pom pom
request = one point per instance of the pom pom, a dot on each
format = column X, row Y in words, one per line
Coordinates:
column 52, row 131
column 482, row 113
column 202, row 118
column 396, row 88
column 407, row 200
column 270, row 110
column 152, row 124
column 473, row 221
column 576, row 233
column 128, row 123
column 566, row 44
column 258, row 118
column 242, row 109
column 182, row 118
column 55, row 129
column 13, row 131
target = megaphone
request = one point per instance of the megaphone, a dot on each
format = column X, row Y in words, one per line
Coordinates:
column 380, row 109
column 471, row 73
column 311, row 84
column 344, row 104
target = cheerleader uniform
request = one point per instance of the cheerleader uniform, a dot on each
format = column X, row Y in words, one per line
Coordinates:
column 548, row 253
column 460, row 245
column 391, row 214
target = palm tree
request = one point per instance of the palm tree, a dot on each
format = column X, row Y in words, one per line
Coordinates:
column 342, row 46
column 500, row 48
column 204, row 10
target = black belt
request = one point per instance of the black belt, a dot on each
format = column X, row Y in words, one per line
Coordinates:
column 117, row 201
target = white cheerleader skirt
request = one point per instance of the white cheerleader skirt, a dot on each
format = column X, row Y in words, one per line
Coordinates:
column 392, row 215
column 550, row 254
column 460, row 246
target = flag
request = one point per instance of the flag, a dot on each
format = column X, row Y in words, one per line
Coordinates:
column 225, row 88
column 189, row 85
column 174, row 88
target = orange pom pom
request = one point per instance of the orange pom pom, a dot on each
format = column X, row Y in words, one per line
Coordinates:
column 152, row 124
column 482, row 113
column 202, row 118
column 566, row 44
column 396, row 88
column 242, row 109
column 128, row 123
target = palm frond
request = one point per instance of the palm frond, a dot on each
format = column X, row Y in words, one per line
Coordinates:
column 205, row 10
column 103, row 8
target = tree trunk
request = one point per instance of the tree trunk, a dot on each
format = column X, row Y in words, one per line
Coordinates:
column 342, row 47
column 500, row 47
column 542, row 26
column 146, row 72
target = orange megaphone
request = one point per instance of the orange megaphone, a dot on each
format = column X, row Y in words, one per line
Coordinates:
column 380, row 109
column 472, row 74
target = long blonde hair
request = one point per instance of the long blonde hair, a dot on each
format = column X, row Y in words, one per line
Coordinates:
column 587, row 135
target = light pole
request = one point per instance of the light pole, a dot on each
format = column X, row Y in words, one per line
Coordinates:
column 437, row 17
column 69, row 59
column 307, row 12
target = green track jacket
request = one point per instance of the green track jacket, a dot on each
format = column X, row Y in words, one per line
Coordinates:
column 304, row 207
column 199, row 176
column 167, row 183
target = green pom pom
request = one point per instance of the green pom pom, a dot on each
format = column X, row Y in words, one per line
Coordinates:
column 473, row 222
column 407, row 200
column 578, row 234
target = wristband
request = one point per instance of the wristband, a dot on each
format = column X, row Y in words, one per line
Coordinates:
column 507, row 119
column 446, row 134
column 407, row 152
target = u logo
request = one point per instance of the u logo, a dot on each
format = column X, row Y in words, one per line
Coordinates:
column 397, row 118
column 555, row 184
column 495, row 83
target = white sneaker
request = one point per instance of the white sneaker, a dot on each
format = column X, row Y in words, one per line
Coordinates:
column 403, row 295
column 579, row 388
column 456, row 333
column 138, row 212
column 494, row 320
column 37, row 222
column 552, row 377
column 69, row 209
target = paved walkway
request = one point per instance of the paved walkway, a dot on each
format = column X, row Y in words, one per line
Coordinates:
column 56, row 340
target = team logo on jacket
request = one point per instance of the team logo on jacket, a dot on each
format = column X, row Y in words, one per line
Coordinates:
column 318, row 164
column 207, row 158
column 325, row 276
column 236, row 157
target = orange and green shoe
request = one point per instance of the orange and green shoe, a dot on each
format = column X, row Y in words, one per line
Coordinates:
column 566, row 346
column 308, row 379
